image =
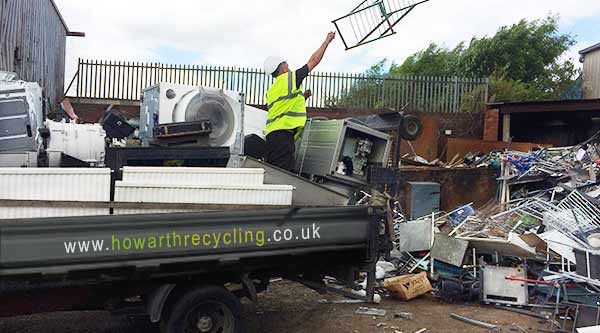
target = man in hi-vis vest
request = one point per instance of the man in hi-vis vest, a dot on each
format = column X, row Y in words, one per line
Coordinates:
column 286, row 103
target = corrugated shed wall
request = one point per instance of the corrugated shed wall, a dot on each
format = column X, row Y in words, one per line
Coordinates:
column 591, row 75
column 32, row 43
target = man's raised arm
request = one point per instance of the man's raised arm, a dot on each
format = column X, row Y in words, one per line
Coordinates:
column 316, row 58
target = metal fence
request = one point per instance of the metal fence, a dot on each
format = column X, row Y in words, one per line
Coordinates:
column 117, row 80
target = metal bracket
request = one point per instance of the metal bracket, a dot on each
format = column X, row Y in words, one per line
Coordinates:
column 249, row 288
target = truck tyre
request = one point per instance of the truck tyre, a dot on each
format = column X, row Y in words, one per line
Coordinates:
column 208, row 309
column 411, row 128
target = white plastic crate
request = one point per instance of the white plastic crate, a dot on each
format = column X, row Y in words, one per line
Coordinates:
column 194, row 176
column 55, row 184
column 280, row 195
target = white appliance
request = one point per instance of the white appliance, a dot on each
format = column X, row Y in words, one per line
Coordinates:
column 231, row 119
column 21, row 114
column 85, row 142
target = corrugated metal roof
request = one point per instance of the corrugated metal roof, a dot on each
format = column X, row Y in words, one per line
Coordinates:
column 590, row 49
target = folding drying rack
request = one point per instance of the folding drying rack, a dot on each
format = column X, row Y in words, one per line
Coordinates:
column 372, row 20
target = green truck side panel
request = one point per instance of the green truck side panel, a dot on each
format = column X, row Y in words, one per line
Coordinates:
column 42, row 245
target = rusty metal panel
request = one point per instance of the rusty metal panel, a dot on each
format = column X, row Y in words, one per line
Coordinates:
column 33, row 43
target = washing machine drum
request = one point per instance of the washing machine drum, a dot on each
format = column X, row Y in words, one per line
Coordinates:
column 208, row 105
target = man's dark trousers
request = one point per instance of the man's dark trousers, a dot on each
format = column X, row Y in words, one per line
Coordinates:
column 281, row 149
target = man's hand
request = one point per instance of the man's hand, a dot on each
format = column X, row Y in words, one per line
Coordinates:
column 307, row 94
column 330, row 37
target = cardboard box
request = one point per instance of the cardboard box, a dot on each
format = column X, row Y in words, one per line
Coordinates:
column 408, row 287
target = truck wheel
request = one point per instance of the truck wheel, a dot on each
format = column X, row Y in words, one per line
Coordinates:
column 204, row 310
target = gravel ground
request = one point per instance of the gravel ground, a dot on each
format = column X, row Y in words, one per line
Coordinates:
column 289, row 307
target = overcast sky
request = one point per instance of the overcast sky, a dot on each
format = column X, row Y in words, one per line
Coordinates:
column 243, row 33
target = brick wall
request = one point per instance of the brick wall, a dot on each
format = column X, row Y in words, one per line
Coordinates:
column 431, row 145
column 491, row 125
column 91, row 113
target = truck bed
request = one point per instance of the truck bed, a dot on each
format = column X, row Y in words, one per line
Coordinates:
column 93, row 246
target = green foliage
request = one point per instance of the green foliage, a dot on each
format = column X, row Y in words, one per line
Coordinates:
column 433, row 61
column 525, row 51
column 523, row 62
column 503, row 89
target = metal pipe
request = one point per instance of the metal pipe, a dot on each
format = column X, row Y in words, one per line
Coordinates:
column 473, row 322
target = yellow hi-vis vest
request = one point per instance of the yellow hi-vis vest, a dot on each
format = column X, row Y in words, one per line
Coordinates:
column 286, row 105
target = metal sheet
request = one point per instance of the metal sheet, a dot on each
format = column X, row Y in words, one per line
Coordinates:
column 502, row 247
column 497, row 289
column 449, row 250
column 307, row 193
column 414, row 236
column 560, row 244
column 319, row 147
column 42, row 245
column 424, row 199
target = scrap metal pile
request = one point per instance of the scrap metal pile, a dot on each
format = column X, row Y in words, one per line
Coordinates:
column 559, row 162
column 534, row 250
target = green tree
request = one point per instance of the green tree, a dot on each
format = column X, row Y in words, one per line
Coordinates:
column 523, row 61
column 525, row 52
column 433, row 61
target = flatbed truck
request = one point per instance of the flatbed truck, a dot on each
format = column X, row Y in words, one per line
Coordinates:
column 186, row 271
